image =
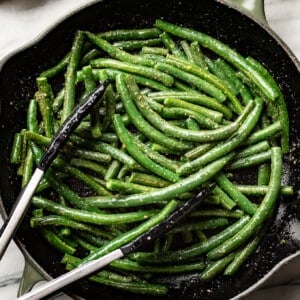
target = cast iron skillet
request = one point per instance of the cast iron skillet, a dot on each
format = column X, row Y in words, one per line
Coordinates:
column 17, row 86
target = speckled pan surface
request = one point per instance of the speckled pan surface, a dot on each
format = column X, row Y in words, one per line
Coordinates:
column 230, row 26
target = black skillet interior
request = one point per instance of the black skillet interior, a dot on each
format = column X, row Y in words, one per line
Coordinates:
column 17, row 86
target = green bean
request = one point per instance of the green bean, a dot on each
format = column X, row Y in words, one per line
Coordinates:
column 194, row 250
column 223, row 213
column 58, row 101
column 263, row 176
column 136, row 44
column 218, row 71
column 40, row 139
column 154, row 50
column 117, row 53
column 148, row 180
column 261, row 213
column 166, row 193
column 89, row 216
column 109, row 137
column 28, row 167
column 54, row 220
column 90, row 85
column 257, row 92
column 46, row 112
column 283, row 113
column 253, row 149
column 45, row 99
column 112, row 170
column 192, row 124
column 58, row 68
column 261, row 190
column 133, row 68
column 194, row 97
column 249, row 161
column 230, row 72
column 191, row 79
column 130, row 34
column 129, row 265
column 202, row 225
column 37, row 138
column 92, row 155
column 179, row 123
column 94, row 240
column 154, row 57
column 112, row 73
column 122, row 173
column 187, row 51
column 217, row 267
column 132, row 233
column 15, row 154
column 134, row 287
column 198, row 57
column 161, row 124
column 167, row 243
column 138, row 155
column 165, row 150
column 106, row 149
column 85, row 178
column 89, row 56
column 97, row 179
column 246, row 94
column 241, row 200
column 89, row 165
column 70, row 78
column 54, row 240
column 140, row 123
column 198, row 151
column 225, row 200
column 224, row 51
column 206, row 135
column 45, row 87
column 23, row 154
column 127, row 187
column 180, row 86
column 264, row 133
column 32, row 120
column 213, row 115
column 179, row 112
column 201, row 236
column 130, row 282
column 227, row 146
column 153, row 84
column 157, row 157
column 83, row 243
column 110, row 106
column 208, row 77
column 75, row 261
column 63, row 190
column 170, row 44
column 65, row 232
column 242, row 256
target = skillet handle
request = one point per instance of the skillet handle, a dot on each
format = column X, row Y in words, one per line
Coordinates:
column 30, row 277
column 255, row 7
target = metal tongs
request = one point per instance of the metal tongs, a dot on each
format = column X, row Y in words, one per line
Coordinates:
column 97, row 264
column 24, row 198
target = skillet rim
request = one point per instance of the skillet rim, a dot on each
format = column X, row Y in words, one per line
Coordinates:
column 42, row 34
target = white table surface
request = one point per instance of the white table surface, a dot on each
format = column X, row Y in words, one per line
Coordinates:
column 24, row 20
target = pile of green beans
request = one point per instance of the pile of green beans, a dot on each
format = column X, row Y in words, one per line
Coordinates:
column 172, row 119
